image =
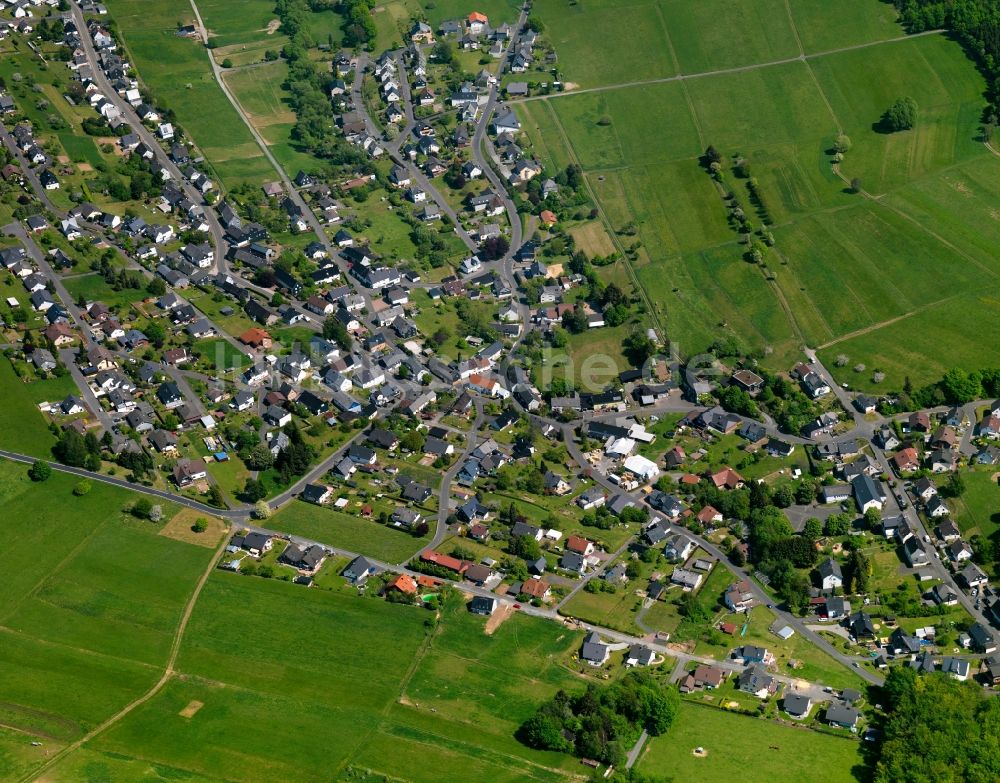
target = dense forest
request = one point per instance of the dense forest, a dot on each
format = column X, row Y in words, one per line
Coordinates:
column 977, row 25
column 938, row 729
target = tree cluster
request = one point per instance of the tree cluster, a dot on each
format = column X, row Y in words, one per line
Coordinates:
column 937, row 729
column 902, row 115
column 602, row 722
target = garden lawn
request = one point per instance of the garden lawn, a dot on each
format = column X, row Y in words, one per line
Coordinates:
column 978, row 509
column 93, row 288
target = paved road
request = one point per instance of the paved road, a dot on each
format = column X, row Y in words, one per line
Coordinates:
column 232, row 514
column 444, row 491
column 392, row 148
column 128, row 114
column 592, row 574
column 936, row 564
column 738, row 573
column 68, row 357
column 633, row 755
column 29, row 173
column 480, row 138
column 41, row 261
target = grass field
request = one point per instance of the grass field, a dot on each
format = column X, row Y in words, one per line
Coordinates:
column 93, row 288
column 367, row 677
column 261, row 96
column 498, row 11
column 89, row 606
column 237, row 23
column 844, row 268
column 177, row 72
column 347, row 531
column 22, row 426
column 732, row 742
column 978, row 509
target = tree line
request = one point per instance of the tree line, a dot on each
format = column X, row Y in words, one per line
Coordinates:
column 977, row 25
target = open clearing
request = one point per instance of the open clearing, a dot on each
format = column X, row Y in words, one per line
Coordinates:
column 22, row 426
column 191, row 709
column 181, row 528
column 732, row 742
column 592, row 239
column 90, row 602
column 845, row 269
column 91, row 605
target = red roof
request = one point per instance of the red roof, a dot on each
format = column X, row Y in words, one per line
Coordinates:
column 708, row 514
column 445, row 561
column 548, row 217
column 404, row 583
column 537, row 588
column 727, row 478
column 577, row 544
column 475, row 16
column 255, row 336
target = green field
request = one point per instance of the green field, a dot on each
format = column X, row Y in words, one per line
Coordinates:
column 735, row 744
column 90, row 602
column 498, row 11
column 22, row 426
column 347, row 531
column 177, row 72
column 90, row 607
column 261, row 96
column 978, row 509
column 845, row 268
column 81, row 149
column 94, row 288
column 237, row 23
column 351, row 678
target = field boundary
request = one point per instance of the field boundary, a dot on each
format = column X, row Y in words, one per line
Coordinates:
column 803, row 58
column 571, row 150
column 168, row 673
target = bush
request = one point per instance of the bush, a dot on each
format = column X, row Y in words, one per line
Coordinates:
column 81, row 488
column 902, row 115
column 39, row 471
column 200, row 525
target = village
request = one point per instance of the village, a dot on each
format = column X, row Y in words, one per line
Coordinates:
column 387, row 427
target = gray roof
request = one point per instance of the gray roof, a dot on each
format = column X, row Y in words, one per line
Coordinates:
column 796, row 703
column 842, row 714
column 593, row 648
